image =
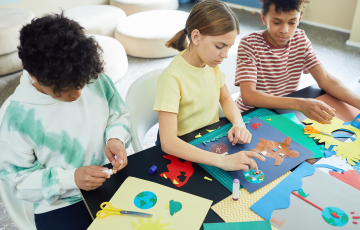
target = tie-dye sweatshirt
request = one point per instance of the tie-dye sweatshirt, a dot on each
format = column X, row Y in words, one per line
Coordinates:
column 43, row 140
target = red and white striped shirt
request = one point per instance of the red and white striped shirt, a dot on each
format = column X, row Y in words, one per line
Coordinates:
column 275, row 70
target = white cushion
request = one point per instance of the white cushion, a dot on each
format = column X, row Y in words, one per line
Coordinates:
column 11, row 21
column 116, row 62
column 97, row 19
column 10, row 63
column 136, row 6
column 144, row 34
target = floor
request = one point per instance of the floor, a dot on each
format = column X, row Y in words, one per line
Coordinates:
column 340, row 60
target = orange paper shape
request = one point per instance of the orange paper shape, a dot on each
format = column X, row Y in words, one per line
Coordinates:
column 343, row 111
column 179, row 172
column 267, row 148
column 350, row 177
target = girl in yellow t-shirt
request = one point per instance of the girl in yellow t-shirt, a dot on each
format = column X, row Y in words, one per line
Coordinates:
column 191, row 87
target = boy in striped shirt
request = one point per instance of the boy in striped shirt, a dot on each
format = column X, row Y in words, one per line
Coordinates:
column 270, row 62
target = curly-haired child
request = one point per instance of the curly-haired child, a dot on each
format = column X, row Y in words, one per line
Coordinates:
column 63, row 122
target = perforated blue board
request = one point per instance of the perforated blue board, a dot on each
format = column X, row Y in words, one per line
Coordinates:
column 219, row 174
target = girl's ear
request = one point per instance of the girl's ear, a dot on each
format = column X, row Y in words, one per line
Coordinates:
column 195, row 37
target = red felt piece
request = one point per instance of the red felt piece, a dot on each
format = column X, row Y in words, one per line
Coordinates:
column 356, row 217
column 335, row 215
column 352, row 212
column 255, row 125
column 178, row 171
column 355, row 222
column 350, row 177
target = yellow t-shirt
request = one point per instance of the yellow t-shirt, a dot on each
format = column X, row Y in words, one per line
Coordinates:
column 191, row 92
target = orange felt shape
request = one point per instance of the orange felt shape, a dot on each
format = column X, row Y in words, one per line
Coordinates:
column 350, row 177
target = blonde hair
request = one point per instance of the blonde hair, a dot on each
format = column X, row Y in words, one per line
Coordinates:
column 210, row 17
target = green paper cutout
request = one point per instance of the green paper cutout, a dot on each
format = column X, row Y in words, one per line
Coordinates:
column 215, row 138
column 174, row 207
column 302, row 193
column 289, row 125
column 253, row 225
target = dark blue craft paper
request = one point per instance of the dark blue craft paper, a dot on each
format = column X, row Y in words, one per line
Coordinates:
column 271, row 171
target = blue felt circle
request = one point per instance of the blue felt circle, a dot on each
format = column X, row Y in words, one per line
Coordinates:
column 252, row 177
column 145, row 200
column 334, row 221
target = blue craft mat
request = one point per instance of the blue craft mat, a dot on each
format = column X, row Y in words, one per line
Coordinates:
column 219, row 174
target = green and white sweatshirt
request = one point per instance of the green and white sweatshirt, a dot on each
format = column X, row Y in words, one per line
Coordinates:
column 43, row 140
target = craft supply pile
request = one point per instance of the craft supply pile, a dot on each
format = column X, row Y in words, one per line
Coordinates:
column 309, row 180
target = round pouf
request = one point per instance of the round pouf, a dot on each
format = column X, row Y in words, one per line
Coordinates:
column 144, row 34
column 116, row 62
column 97, row 19
column 136, row 6
column 10, row 63
column 11, row 22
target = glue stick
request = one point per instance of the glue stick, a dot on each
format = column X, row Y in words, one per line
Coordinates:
column 236, row 187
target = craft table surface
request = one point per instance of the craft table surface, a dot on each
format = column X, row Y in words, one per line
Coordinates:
column 139, row 164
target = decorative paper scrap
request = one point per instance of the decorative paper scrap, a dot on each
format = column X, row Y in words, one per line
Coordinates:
column 289, row 125
column 149, row 225
column 174, row 207
column 193, row 212
column 179, row 172
column 348, row 150
column 253, row 177
column 253, row 225
column 279, row 197
column 239, row 211
column 350, row 177
column 145, row 200
column 270, row 170
column 325, row 192
column 343, row 111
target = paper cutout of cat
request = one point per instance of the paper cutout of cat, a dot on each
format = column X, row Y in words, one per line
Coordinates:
column 266, row 148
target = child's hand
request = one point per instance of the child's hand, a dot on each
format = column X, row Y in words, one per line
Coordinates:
column 317, row 110
column 90, row 177
column 115, row 147
column 241, row 161
column 238, row 134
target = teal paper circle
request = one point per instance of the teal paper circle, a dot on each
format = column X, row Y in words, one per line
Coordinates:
column 252, row 177
column 331, row 219
column 145, row 200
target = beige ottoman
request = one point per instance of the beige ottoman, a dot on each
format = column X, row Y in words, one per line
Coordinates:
column 97, row 19
column 136, row 6
column 144, row 34
column 11, row 21
column 116, row 62
column 10, row 63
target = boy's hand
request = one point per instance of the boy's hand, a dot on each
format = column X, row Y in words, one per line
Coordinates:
column 317, row 110
column 238, row 134
column 90, row 177
column 115, row 147
column 241, row 161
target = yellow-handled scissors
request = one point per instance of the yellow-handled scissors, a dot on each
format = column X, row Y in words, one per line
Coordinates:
column 107, row 209
column 310, row 129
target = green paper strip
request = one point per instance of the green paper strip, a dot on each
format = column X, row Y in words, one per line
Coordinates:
column 289, row 125
column 253, row 225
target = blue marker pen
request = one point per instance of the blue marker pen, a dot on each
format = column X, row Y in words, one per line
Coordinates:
column 236, row 188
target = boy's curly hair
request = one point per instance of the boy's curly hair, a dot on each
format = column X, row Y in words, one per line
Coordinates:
column 55, row 50
column 283, row 5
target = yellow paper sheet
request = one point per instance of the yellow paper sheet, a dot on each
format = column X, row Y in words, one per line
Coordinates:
column 239, row 211
column 348, row 150
column 190, row 217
